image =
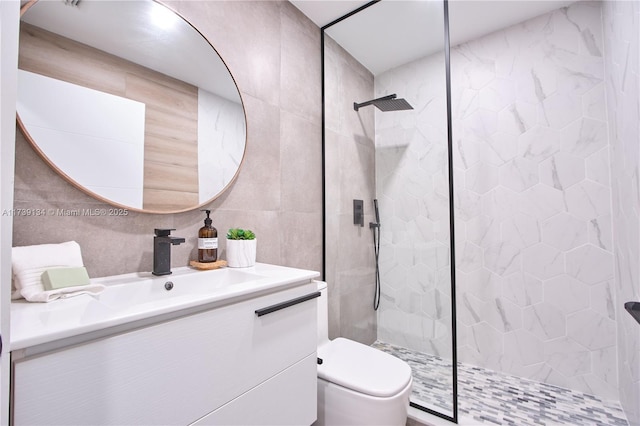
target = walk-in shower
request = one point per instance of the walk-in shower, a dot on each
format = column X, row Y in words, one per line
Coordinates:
column 528, row 307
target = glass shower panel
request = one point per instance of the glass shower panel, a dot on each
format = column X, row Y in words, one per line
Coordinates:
column 396, row 48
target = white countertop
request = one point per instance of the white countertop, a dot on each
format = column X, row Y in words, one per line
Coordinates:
column 139, row 296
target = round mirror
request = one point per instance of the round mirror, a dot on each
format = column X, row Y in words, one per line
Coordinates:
column 129, row 102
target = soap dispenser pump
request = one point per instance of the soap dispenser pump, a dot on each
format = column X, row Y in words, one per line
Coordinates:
column 207, row 241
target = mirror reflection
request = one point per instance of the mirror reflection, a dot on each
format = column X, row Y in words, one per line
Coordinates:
column 129, row 102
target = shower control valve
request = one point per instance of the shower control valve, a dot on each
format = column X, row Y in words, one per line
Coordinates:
column 358, row 212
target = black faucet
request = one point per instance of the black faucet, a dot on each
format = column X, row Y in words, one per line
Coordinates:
column 162, row 243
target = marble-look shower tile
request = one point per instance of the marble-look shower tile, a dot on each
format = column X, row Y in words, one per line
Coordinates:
column 544, row 320
column 467, row 149
column 482, row 123
column 603, row 366
column 468, row 310
column 566, row 34
column 594, row 103
column 536, row 83
column 481, row 283
column 564, row 232
column 567, row 357
column 517, row 118
column 502, row 259
column 588, row 200
column 522, row 289
column 467, row 101
column 469, row 257
column 591, row 329
column 602, row 299
column 499, row 93
column 500, row 203
column 601, row 233
column 484, row 231
column 566, row 294
column 597, row 165
column 466, row 203
column 521, row 230
column 562, row 170
column 523, row 347
column 561, row 109
column 502, row 315
column 519, row 174
column 421, row 278
column 481, row 178
column 434, row 255
column 480, row 75
column 539, row 143
column 584, row 137
column 590, row 264
column 543, row 261
column 542, row 201
column 483, row 340
column 435, row 304
column 585, row 18
column 498, row 149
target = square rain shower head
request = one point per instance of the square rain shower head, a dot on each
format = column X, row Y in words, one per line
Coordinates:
column 386, row 103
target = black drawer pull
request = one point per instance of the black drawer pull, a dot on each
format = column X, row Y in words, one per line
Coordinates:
column 282, row 305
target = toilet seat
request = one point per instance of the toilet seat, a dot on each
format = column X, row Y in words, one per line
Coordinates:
column 362, row 368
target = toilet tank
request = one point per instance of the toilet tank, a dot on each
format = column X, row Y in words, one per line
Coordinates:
column 323, row 313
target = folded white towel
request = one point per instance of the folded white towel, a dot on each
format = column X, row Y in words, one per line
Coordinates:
column 29, row 262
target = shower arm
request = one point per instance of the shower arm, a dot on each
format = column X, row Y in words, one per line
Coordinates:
column 357, row 106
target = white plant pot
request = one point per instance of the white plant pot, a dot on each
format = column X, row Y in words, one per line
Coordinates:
column 241, row 253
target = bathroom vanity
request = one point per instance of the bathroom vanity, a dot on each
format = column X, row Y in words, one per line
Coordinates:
column 229, row 346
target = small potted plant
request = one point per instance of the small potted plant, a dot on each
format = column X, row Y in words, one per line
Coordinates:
column 241, row 248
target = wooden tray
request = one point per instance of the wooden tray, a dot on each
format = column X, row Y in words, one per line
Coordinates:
column 209, row 265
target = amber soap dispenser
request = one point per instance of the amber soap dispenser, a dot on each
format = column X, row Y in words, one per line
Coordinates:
column 207, row 241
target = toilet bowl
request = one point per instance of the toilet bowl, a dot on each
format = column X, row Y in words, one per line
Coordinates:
column 358, row 384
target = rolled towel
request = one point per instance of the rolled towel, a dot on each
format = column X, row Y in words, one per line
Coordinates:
column 29, row 263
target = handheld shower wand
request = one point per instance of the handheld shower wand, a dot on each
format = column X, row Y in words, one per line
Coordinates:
column 375, row 226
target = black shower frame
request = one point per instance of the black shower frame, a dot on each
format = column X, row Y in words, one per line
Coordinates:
column 447, row 46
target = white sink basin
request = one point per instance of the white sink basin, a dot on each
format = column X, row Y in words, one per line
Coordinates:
column 184, row 283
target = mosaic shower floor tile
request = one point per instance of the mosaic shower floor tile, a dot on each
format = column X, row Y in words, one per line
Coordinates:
column 490, row 397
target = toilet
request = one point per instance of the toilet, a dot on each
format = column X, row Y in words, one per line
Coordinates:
column 358, row 384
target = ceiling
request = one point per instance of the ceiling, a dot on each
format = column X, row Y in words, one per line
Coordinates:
column 397, row 31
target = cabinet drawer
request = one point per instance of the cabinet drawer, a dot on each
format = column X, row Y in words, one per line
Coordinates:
column 169, row 373
column 289, row 398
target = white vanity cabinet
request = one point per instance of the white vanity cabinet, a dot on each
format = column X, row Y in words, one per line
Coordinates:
column 224, row 365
